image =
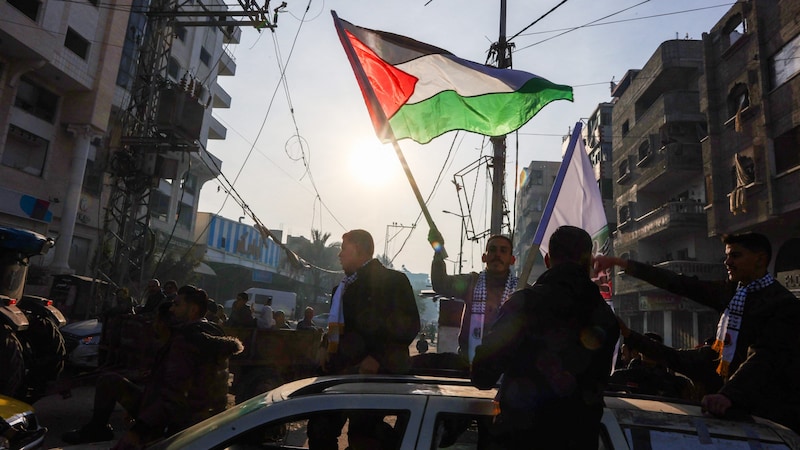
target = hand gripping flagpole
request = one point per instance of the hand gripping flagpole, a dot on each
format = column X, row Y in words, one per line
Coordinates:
column 386, row 130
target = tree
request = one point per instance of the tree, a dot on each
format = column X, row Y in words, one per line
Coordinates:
column 324, row 257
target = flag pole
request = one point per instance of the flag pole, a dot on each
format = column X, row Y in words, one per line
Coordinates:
column 527, row 267
column 386, row 130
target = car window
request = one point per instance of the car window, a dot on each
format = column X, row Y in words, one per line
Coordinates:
column 461, row 431
column 641, row 438
column 386, row 431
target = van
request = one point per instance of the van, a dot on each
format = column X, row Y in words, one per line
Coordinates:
column 257, row 297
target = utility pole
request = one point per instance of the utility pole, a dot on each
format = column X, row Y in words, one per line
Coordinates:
column 502, row 50
column 388, row 238
column 161, row 117
column 461, row 244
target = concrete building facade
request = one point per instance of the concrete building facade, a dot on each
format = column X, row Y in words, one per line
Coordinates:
column 659, row 191
column 751, row 157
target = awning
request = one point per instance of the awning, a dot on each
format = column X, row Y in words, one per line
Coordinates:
column 205, row 269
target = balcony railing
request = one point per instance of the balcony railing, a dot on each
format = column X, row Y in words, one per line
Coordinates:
column 667, row 216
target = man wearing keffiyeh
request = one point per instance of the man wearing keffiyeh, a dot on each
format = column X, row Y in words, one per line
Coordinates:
column 373, row 320
column 758, row 335
column 483, row 293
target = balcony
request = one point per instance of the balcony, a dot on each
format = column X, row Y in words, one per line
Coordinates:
column 626, row 284
column 221, row 98
column 215, row 129
column 670, row 166
column 227, row 64
column 669, row 218
column 232, row 35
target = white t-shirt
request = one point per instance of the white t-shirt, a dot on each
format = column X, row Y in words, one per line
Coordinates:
column 265, row 319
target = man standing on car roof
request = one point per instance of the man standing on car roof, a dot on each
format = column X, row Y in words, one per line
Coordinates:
column 553, row 344
column 757, row 340
column 483, row 293
column 373, row 321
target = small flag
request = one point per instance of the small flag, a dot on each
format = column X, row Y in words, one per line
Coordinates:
column 424, row 91
column 575, row 200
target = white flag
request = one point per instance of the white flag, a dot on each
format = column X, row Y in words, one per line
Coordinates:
column 575, row 200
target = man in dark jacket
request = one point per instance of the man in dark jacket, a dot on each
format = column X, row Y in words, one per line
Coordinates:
column 757, row 337
column 155, row 296
column 188, row 382
column 373, row 320
column 553, row 344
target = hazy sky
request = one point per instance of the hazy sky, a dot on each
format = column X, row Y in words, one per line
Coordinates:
column 337, row 176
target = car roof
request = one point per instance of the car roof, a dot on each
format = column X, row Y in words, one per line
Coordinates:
column 381, row 384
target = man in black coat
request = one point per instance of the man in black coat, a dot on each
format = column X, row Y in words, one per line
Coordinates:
column 373, row 320
column 553, row 344
column 757, row 337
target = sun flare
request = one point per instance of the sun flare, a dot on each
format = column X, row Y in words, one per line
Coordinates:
column 373, row 163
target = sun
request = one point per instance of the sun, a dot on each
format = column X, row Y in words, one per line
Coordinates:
column 373, row 163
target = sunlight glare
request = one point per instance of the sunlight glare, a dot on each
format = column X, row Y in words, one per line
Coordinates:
column 373, row 163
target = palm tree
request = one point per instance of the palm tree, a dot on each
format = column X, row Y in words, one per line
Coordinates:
column 323, row 255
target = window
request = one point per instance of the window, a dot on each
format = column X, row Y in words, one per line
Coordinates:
column 537, row 177
column 159, row 205
column 734, row 29
column 173, row 68
column 624, row 214
column 738, row 100
column 92, row 178
column 787, row 155
column 25, row 151
column 185, row 215
column 786, row 63
column 36, row 100
column 460, row 431
column 28, row 7
column 205, row 57
column 626, row 127
column 76, row 43
column 644, row 152
column 189, row 184
column 624, row 171
column 292, row 432
column 180, row 32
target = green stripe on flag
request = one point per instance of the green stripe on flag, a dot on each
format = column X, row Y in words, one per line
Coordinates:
column 491, row 114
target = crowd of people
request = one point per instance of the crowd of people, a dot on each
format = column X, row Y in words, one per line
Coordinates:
column 549, row 346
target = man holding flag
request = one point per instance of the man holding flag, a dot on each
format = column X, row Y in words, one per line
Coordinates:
column 483, row 293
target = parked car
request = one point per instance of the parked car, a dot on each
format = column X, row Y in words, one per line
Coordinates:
column 434, row 412
column 82, row 339
column 28, row 434
column 321, row 320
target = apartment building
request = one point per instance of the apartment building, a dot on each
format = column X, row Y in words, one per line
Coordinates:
column 535, row 184
column 750, row 93
column 65, row 74
column 659, row 193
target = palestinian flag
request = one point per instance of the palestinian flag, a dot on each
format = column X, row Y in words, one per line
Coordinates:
column 424, row 91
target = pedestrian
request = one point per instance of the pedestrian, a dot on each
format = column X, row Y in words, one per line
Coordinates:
column 422, row 344
column 241, row 315
column 483, row 293
column 188, row 381
column 266, row 318
column 757, row 343
column 170, row 290
column 154, row 298
column 553, row 344
column 373, row 321
column 280, row 321
column 308, row 320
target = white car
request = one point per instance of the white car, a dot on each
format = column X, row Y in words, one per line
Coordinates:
column 434, row 412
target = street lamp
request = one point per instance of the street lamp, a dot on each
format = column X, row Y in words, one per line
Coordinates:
column 463, row 232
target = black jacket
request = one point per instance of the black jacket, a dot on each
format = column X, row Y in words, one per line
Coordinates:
column 766, row 363
column 380, row 320
column 189, row 380
column 553, row 343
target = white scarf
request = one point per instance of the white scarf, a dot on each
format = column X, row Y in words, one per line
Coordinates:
column 478, row 311
column 731, row 322
column 336, row 317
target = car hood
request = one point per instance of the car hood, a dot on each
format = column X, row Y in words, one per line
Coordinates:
column 10, row 407
column 83, row 328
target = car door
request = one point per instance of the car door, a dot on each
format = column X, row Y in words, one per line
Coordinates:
column 282, row 425
column 456, row 421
